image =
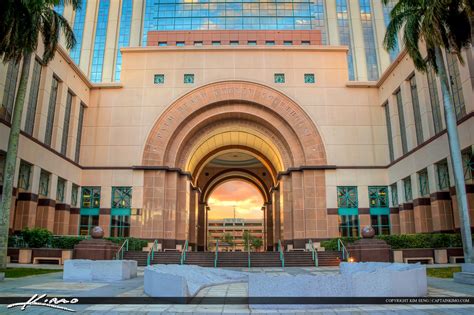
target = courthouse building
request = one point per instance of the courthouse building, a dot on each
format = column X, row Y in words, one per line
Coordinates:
column 161, row 101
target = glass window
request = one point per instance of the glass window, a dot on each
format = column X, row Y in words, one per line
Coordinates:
column 386, row 17
column 378, row 196
column 9, row 92
column 162, row 44
column 252, row 42
column 270, row 42
column 380, row 223
column 309, row 78
column 348, row 225
column 416, row 110
column 434, row 100
column 305, row 42
column 124, row 34
column 24, row 176
column 90, row 198
column 288, row 42
column 121, row 197
column 442, row 172
column 60, row 189
column 468, row 163
column 367, row 21
column 79, row 133
column 87, row 222
column 180, row 44
column 120, row 226
column 197, row 43
column 407, row 189
column 234, row 42
column 59, row 8
column 279, row 78
column 394, row 194
column 44, row 183
column 99, row 42
column 389, row 131
column 401, row 118
column 78, row 29
column 189, row 78
column 347, row 197
column 344, row 30
column 51, row 111
column 33, row 99
column 216, row 43
column 67, row 118
column 456, row 85
column 74, row 194
column 159, row 79
column 423, row 182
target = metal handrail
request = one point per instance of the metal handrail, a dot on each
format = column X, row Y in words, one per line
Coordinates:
column 345, row 252
column 151, row 253
column 248, row 252
column 124, row 247
column 216, row 254
column 183, row 253
column 314, row 253
column 282, row 256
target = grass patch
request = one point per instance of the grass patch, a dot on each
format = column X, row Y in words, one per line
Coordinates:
column 446, row 272
column 24, row 272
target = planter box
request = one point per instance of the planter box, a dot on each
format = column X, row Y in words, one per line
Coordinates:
column 24, row 256
column 441, row 256
column 66, row 254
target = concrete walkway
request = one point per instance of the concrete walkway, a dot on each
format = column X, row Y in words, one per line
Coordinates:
column 53, row 285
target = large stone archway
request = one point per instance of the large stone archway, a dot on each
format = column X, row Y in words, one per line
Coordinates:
column 233, row 116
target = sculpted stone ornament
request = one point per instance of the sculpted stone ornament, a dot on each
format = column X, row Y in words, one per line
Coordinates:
column 368, row 232
column 97, row 232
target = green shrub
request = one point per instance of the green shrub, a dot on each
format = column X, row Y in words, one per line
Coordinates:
column 133, row 243
column 65, row 242
column 37, row 237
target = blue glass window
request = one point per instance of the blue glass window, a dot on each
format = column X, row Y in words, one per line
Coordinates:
column 367, row 21
column 33, row 100
column 78, row 30
column 59, row 8
column 159, row 79
column 124, row 34
column 401, row 118
column 389, row 131
column 309, row 78
column 434, row 100
column 79, row 133
column 386, row 17
column 279, row 78
column 67, row 118
column 189, row 78
column 99, row 42
column 344, row 30
column 416, row 110
column 51, row 111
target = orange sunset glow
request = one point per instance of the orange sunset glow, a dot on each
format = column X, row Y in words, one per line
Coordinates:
column 245, row 197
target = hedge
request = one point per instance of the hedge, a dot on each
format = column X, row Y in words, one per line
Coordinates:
column 406, row 241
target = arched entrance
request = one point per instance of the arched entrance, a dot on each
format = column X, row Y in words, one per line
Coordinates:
column 190, row 148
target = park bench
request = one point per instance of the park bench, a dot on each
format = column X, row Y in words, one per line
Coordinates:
column 429, row 260
column 37, row 259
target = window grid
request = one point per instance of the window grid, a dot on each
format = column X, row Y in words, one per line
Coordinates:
column 416, row 110
column 309, row 78
column 468, row 163
column 366, row 18
column 79, row 133
column 386, row 17
column 279, row 78
column 423, row 182
column 90, row 198
column 456, row 86
column 407, row 189
column 44, row 183
column 434, row 100
column 51, row 111
column 87, row 222
column 394, row 194
column 24, row 176
column 349, row 225
column 74, row 194
column 124, row 34
column 60, row 189
column 344, row 30
column 9, row 91
column 99, row 42
column 381, row 224
column 120, row 226
column 347, row 197
column 78, row 29
column 378, row 196
column 121, row 197
column 67, row 118
column 33, row 99
column 401, row 118
column 442, row 171
column 389, row 132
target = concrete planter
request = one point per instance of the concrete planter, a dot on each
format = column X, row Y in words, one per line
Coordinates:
column 66, row 254
column 99, row 270
column 441, row 256
column 24, row 256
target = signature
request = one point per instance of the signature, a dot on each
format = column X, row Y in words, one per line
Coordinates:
column 41, row 300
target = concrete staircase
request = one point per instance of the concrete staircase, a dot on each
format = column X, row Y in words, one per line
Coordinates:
column 265, row 259
column 232, row 259
column 203, row 259
column 305, row 259
column 159, row 257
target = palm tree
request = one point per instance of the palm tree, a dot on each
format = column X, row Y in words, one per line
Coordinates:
column 21, row 23
column 438, row 24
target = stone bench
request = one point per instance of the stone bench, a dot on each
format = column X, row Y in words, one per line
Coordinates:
column 454, row 259
column 37, row 259
column 418, row 259
column 99, row 270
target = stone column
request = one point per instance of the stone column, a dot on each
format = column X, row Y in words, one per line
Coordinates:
column 182, row 210
column 470, row 203
column 286, row 209
column 442, row 212
column 407, row 225
column 151, row 223
column 46, row 206
column 62, row 212
column 275, row 194
column 422, row 215
column 201, row 229
column 269, row 226
column 395, row 220
column 193, row 211
column 170, row 209
column 27, row 202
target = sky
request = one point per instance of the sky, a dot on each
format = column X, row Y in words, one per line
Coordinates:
column 244, row 196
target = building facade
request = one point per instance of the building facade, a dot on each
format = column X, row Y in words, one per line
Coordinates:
column 236, row 228
column 334, row 136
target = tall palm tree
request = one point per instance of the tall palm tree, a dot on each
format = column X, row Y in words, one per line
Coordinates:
column 21, row 24
column 438, row 24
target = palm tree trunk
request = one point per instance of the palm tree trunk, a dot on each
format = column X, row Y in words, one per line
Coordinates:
column 456, row 158
column 10, row 161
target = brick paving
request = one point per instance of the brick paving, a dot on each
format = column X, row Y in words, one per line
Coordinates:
column 53, row 285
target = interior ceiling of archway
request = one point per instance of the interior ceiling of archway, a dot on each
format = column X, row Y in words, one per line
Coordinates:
column 235, row 159
column 241, row 138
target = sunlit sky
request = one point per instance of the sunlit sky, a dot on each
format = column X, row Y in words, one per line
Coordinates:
column 245, row 197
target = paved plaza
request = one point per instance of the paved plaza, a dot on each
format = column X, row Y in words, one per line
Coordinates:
column 53, row 285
